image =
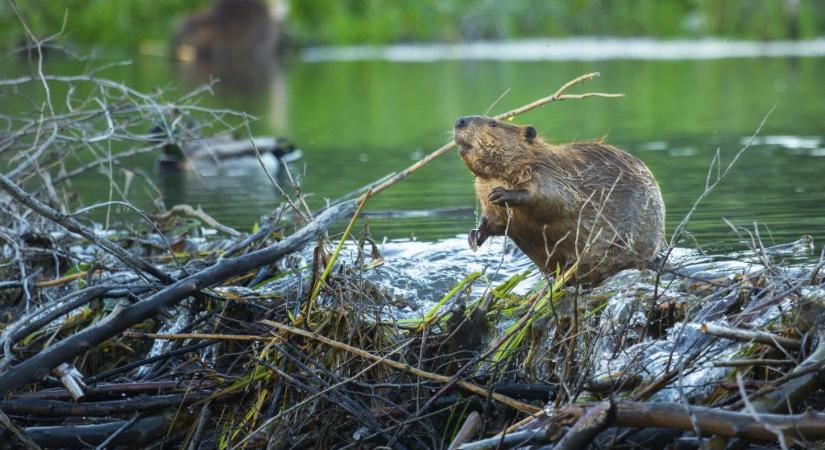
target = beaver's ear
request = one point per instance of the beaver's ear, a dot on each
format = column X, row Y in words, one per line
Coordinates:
column 530, row 134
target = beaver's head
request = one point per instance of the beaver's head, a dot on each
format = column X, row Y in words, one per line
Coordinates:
column 492, row 148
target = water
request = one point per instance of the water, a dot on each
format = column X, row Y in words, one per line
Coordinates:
column 357, row 120
column 572, row 49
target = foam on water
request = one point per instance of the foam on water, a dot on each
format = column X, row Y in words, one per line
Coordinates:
column 420, row 273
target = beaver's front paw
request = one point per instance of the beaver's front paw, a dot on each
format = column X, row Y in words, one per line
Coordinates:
column 475, row 238
column 499, row 196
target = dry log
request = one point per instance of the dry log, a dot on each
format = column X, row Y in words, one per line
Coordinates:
column 38, row 366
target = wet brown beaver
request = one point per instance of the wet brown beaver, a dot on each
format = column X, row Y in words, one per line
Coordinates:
column 232, row 30
column 583, row 201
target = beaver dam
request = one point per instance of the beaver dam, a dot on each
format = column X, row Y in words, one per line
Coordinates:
column 164, row 328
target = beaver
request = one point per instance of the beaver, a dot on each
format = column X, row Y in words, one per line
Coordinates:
column 232, row 30
column 583, row 201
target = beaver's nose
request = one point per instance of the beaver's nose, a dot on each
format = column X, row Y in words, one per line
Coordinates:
column 462, row 122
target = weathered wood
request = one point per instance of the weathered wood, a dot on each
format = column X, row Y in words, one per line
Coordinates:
column 519, row 438
column 72, row 379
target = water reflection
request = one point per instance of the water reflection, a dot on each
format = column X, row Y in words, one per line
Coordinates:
column 249, row 82
column 241, row 187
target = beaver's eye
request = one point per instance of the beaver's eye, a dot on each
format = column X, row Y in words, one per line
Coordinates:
column 493, row 124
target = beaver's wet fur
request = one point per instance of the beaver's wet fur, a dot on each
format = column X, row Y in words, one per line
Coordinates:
column 583, row 201
column 231, row 30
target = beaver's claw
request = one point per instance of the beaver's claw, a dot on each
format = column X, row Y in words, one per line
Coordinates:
column 496, row 195
column 475, row 238
column 499, row 196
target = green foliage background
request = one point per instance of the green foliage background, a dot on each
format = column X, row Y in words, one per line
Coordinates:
column 129, row 23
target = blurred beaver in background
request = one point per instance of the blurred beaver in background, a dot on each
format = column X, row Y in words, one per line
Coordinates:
column 583, row 201
column 230, row 30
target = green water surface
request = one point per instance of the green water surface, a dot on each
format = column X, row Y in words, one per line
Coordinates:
column 358, row 121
